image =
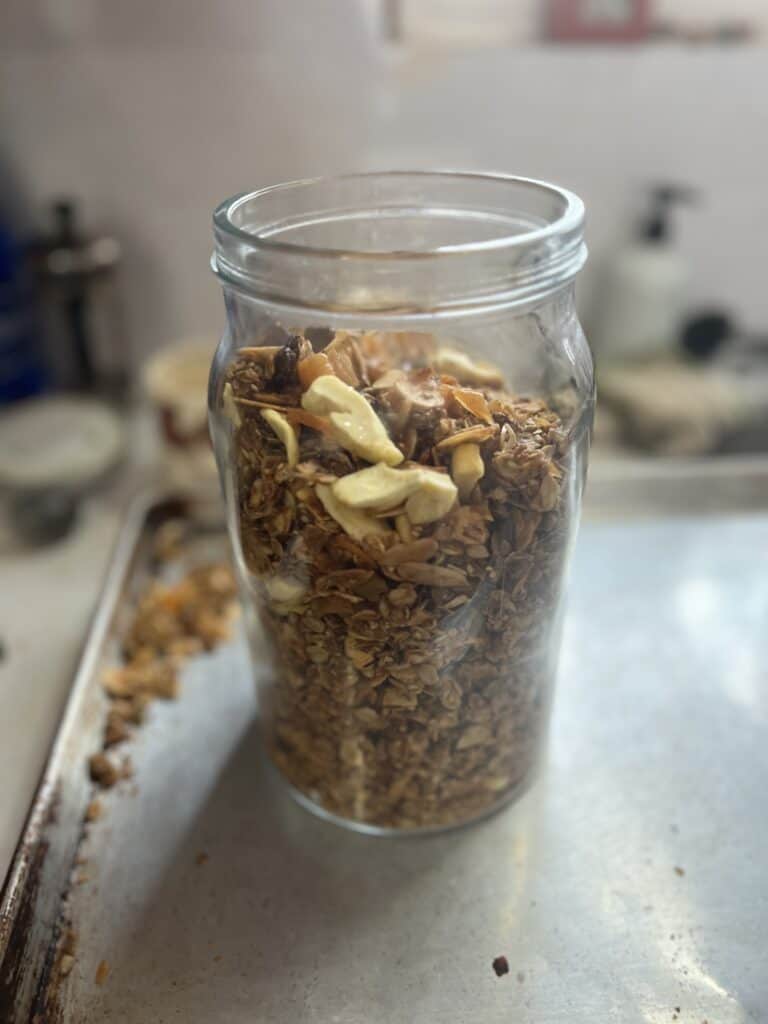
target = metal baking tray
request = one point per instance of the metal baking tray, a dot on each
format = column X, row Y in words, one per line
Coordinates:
column 629, row 885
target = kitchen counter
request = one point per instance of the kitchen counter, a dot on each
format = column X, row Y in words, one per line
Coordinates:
column 48, row 596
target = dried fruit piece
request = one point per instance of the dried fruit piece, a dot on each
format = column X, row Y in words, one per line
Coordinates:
column 467, row 370
column 312, row 367
column 428, row 494
column 285, row 432
column 354, row 423
column 377, row 488
column 433, row 499
column 467, row 468
column 307, row 419
column 284, row 364
column 357, row 524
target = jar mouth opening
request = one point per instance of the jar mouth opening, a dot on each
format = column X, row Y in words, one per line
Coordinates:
column 400, row 241
column 230, row 215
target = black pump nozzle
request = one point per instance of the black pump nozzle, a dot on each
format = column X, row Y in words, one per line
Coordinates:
column 655, row 227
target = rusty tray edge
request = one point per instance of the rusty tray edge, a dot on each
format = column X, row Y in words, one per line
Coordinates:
column 31, row 896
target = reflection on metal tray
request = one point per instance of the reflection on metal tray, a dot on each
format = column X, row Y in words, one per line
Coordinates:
column 629, row 885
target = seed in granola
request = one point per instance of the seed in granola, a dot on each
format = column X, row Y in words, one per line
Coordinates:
column 404, row 528
column 549, row 492
column 432, row 575
column 474, row 736
column 467, row 468
column 404, row 596
column 286, row 590
column 415, row 551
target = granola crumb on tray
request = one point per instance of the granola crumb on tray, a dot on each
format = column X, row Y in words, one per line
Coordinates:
column 403, row 521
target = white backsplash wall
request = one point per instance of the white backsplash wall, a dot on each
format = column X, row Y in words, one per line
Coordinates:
column 150, row 113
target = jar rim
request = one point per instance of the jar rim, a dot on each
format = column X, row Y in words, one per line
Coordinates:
column 471, row 241
column 571, row 219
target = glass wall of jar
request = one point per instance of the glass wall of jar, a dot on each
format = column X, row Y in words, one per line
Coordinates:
column 401, row 408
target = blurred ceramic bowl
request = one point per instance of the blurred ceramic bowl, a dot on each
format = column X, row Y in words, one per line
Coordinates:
column 176, row 384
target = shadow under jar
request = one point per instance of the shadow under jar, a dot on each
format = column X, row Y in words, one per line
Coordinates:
column 401, row 407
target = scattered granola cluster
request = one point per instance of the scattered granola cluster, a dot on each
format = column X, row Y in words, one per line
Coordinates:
column 170, row 624
column 403, row 520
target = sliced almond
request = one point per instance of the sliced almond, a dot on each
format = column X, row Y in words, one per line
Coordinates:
column 388, row 380
column 428, row 494
column 467, row 468
column 354, row 424
column 229, row 406
column 476, row 435
column 357, row 524
column 467, row 370
column 473, row 401
column 285, row 432
column 344, row 356
column 434, row 498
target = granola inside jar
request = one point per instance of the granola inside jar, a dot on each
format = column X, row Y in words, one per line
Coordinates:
column 401, row 409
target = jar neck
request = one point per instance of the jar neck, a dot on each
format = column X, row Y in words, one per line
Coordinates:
column 401, row 244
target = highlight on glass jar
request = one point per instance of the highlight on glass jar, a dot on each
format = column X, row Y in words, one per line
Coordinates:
column 401, row 408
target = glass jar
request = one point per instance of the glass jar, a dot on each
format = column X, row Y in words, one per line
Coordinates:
column 401, row 409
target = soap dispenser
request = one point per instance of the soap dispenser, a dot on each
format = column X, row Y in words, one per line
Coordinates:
column 642, row 299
